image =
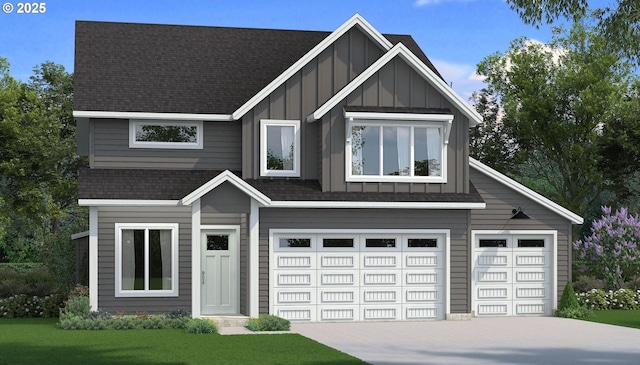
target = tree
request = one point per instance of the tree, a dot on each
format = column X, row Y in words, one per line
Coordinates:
column 38, row 161
column 620, row 24
column 612, row 251
column 555, row 98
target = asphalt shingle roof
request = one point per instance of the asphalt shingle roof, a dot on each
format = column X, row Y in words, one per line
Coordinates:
column 176, row 184
column 128, row 67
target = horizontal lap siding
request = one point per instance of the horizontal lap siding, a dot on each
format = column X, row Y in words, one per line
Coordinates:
column 501, row 201
column 456, row 221
column 110, row 149
column 107, row 218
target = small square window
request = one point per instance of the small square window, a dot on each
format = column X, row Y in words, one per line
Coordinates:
column 337, row 242
column 531, row 243
column 280, row 148
column 493, row 243
column 422, row 243
column 380, row 242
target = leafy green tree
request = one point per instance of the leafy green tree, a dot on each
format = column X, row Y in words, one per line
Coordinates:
column 618, row 22
column 38, row 161
column 555, row 98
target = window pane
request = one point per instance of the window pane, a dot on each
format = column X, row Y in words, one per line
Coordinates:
column 530, row 243
column 395, row 147
column 423, row 242
column 159, row 259
column 166, row 133
column 427, row 152
column 133, row 259
column 337, row 242
column 295, row 242
column 365, row 150
column 217, row 242
column 381, row 242
column 280, row 147
column 493, row 243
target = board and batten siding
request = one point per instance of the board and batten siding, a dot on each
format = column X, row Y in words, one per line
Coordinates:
column 395, row 85
column 501, row 201
column 456, row 221
column 109, row 148
column 107, row 218
column 303, row 93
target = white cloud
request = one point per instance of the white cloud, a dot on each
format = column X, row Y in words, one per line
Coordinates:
column 463, row 78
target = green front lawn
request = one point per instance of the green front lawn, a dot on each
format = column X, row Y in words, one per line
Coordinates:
column 39, row 341
column 625, row 318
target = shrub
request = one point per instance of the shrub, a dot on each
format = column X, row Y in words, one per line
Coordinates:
column 585, row 283
column 77, row 306
column 568, row 299
column 31, row 279
column 574, row 313
column 102, row 320
column 31, row 306
column 201, row 325
column 268, row 322
column 178, row 313
column 599, row 299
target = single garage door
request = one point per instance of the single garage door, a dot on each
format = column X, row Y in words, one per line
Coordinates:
column 513, row 274
column 358, row 275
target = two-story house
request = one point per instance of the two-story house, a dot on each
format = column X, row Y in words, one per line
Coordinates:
column 316, row 176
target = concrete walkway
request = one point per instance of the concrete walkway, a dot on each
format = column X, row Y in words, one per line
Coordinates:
column 513, row 340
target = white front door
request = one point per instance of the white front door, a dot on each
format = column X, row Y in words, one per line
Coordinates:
column 220, row 277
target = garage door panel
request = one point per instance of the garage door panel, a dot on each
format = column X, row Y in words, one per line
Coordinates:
column 532, row 275
column 338, row 296
column 297, row 313
column 432, row 294
column 338, row 278
column 493, row 275
column 532, row 259
column 494, row 292
column 378, row 277
column 304, row 296
column 338, row 261
column 295, row 261
column 296, row 278
column 338, row 313
column 429, row 260
column 529, row 292
column 423, row 277
column 494, row 259
column 522, row 308
column 380, row 295
column 381, row 312
column 419, row 312
column 493, row 308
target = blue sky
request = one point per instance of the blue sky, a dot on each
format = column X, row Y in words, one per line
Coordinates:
column 454, row 34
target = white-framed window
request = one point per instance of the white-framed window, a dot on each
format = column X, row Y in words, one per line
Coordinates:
column 280, row 148
column 395, row 151
column 146, row 260
column 173, row 134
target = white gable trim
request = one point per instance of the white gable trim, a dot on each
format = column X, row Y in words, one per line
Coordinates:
column 313, row 53
column 514, row 185
column 226, row 176
column 127, row 203
column 375, row 205
column 415, row 63
column 153, row 116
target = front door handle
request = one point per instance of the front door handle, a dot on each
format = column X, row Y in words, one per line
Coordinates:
column 202, row 277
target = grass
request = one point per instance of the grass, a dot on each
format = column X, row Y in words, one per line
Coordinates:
column 625, row 318
column 39, row 341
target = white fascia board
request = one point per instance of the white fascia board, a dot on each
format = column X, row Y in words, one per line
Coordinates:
column 153, row 116
column 218, row 180
column 400, row 50
column 399, row 116
column 355, row 20
column 127, row 203
column 505, row 180
column 375, row 205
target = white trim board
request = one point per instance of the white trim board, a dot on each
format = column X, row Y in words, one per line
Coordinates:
column 153, row 116
column 510, row 183
column 400, row 50
column 226, row 176
column 355, row 20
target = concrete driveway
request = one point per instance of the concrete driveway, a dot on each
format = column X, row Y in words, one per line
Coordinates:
column 512, row 340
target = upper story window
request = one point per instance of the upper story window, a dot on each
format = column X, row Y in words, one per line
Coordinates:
column 156, row 134
column 396, row 147
column 280, row 148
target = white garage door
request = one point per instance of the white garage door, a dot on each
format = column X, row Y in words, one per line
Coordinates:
column 513, row 274
column 358, row 276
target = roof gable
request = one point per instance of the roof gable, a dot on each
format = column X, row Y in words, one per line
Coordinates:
column 399, row 50
column 516, row 186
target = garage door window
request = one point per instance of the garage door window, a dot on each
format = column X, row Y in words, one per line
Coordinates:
column 422, row 243
column 492, row 243
column 531, row 243
column 380, row 242
column 337, row 242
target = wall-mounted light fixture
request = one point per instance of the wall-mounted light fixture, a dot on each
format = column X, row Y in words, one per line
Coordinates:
column 519, row 214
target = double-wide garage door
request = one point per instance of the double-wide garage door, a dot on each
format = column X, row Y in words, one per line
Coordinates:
column 358, row 275
column 513, row 274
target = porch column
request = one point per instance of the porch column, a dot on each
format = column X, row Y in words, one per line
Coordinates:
column 195, row 259
column 254, row 257
column 93, row 258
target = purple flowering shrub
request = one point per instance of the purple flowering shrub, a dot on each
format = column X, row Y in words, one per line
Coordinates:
column 612, row 251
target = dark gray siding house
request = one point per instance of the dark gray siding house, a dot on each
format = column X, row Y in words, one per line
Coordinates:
column 315, row 176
